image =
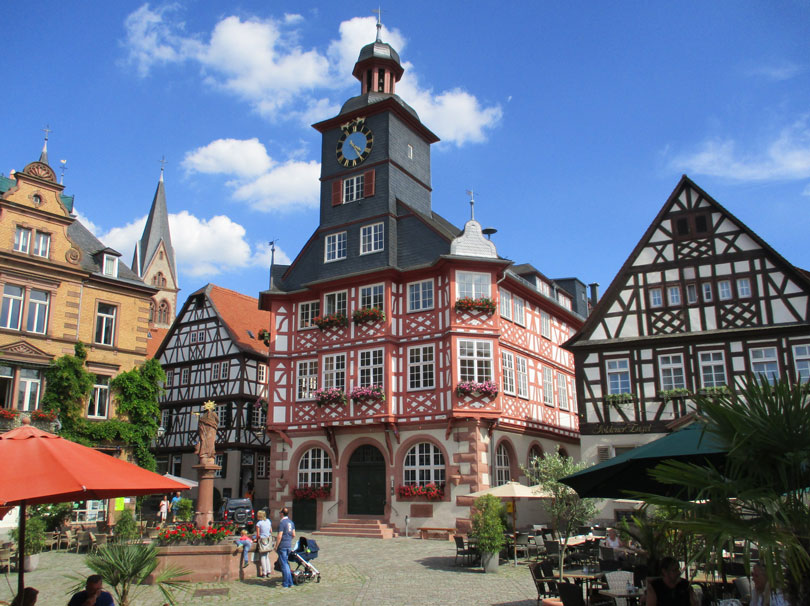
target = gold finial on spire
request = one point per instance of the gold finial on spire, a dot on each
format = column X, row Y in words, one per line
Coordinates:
column 472, row 204
column 378, row 11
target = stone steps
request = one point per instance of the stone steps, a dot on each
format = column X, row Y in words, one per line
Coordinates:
column 350, row 527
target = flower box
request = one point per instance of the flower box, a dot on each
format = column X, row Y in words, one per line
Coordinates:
column 9, row 414
column 368, row 314
column 187, row 534
column 487, row 389
column 312, row 493
column 673, row 394
column 430, row 492
column 329, row 396
column 330, row 321
column 42, row 416
column 371, row 393
column 619, row 398
column 264, row 336
column 483, row 304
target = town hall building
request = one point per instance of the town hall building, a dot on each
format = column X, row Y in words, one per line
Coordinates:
column 409, row 364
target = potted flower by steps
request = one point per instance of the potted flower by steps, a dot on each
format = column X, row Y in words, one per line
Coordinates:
column 487, row 530
column 34, row 541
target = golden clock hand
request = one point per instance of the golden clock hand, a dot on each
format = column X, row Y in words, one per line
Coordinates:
column 357, row 149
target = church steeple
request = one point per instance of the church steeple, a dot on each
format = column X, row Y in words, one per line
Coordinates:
column 43, row 156
column 378, row 67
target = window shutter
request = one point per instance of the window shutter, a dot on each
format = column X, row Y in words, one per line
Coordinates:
column 336, row 197
column 602, row 453
column 368, row 184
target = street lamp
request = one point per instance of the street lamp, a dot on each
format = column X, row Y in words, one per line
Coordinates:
column 161, row 431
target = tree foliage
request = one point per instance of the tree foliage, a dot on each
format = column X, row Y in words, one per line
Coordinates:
column 760, row 492
column 487, row 527
column 566, row 509
column 136, row 392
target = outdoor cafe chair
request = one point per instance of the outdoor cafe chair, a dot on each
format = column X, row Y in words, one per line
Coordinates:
column 545, row 584
column 606, row 553
column 553, row 550
column 523, row 544
column 67, row 539
column 83, row 539
column 462, row 550
column 618, row 580
column 5, row 559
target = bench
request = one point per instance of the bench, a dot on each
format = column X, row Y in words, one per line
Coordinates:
column 446, row 534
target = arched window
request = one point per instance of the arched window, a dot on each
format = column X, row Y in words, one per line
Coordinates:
column 535, row 452
column 163, row 313
column 151, row 311
column 563, row 452
column 159, row 279
column 502, row 471
column 315, row 468
column 424, row 464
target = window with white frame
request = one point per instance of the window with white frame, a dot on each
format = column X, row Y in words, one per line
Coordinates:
column 28, row 389
column 335, row 303
column 307, row 312
column 674, row 295
column 671, row 369
column 169, row 378
column 261, row 466
column 618, row 376
column 110, row 267
column 423, row 465
column 223, row 412
column 508, row 375
column 42, row 244
column 353, row 188
column 656, row 298
column 503, row 472
column 520, row 311
column 506, row 304
column 371, row 367
column 334, row 247
column 193, row 336
column 472, row 284
column 258, row 416
column 562, row 391
column 691, row 293
column 11, row 313
column 371, row 238
column 215, row 371
column 545, row 325
column 522, row 372
column 724, row 290
column 220, row 460
column 105, row 323
column 224, row 369
column 177, row 465
column 307, row 379
column 22, row 239
column 743, row 287
column 475, row 360
column 166, row 419
column 420, row 295
column 261, row 374
column 372, row 296
column 421, row 367
column 315, row 468
column 707, row 292
column 548, row 386
column 801, row 359
column 764, row 361
column 712, row 368
column 37, row 311
column 97, row 408
column 334, row 371
column 184, row 374
column 89, row 511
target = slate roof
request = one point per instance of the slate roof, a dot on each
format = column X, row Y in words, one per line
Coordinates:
column 91, row 260
column 372, row 98
column 240, row 314
column 155, row 231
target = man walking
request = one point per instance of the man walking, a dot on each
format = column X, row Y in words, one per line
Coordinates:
column 286, row 533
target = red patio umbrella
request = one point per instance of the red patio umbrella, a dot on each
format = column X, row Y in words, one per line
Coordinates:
column 39, row 467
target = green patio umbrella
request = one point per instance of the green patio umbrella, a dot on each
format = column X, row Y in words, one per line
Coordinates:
column 628, row 473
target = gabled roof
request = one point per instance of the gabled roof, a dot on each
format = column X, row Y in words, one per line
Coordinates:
column 91, row 261
column 618, row 282
column 241, row 316
column 155, row 231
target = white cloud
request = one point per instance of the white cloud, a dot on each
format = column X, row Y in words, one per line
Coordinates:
column 806, row 190
column 246, row 158
column 92, row 227
column 262, row 62
column 779, row 73
column 192, row 238
column 785, row 157
column 261, row 182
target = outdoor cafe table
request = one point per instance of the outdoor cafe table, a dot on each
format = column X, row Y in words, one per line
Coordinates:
column 632, row 597
column 578, row 575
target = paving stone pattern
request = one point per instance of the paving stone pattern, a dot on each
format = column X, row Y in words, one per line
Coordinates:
column 396, row 572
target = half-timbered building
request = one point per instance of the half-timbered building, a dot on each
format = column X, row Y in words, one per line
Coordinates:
column 405, row 352
column 213, row 351
column 701, row 303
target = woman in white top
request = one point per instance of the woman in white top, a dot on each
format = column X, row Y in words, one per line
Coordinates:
column 761, row 594
column 612, row 539
column 264, row 542
column 163, row 510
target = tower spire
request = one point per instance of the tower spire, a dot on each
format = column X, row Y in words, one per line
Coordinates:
column 378, row 10
column 472, row 204
column 43, row 157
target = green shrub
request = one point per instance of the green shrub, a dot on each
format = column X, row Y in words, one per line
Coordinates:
column 186, row 510
column 487, row 528
column 34, row 535
column 126, row 529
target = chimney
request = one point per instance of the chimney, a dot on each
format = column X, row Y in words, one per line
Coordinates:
column 594, row 286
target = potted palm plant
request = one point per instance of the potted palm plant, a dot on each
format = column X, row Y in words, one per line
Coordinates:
column 487, row 530
column 34, row 541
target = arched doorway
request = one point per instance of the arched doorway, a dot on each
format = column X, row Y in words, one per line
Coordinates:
column 366, row 483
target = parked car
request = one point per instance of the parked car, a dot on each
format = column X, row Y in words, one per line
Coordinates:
column 238, row 511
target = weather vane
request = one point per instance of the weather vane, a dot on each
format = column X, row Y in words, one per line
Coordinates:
column 64, row 168
column 163, row 163
column 378, row 11
column 472, row 203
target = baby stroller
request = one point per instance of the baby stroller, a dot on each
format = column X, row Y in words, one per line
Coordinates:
column 304, row 550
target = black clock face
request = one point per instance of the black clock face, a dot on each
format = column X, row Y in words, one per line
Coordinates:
column 354, row 145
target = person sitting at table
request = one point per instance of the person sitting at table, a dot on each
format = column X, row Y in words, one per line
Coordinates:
column 761, row 594
column 670, row 589
column 612, row 540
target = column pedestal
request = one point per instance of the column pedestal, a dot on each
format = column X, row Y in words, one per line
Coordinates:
column 205, row 494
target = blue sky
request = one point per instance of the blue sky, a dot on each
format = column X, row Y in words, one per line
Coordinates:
column 572, row 121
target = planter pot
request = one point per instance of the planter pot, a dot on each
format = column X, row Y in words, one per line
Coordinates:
column 489, row 561
column 31, row 562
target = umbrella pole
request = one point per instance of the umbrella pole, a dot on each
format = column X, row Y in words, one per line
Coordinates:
column 514, row 531
column 21, row 551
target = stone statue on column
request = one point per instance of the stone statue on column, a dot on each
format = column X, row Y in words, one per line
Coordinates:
column 207, row 467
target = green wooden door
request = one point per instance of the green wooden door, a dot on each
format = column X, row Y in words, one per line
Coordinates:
column 366, row 482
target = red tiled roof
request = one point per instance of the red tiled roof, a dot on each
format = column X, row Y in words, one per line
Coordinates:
column 241, row 314
column 154, row 340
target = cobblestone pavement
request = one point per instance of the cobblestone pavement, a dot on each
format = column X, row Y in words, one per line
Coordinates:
column 396, row 572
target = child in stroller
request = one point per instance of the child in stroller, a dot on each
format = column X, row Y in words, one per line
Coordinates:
column 303, row 552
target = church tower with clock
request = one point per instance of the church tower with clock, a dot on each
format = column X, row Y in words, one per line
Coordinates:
column 385, row 347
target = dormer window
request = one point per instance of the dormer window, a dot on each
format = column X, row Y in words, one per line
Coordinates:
column 110, row 266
